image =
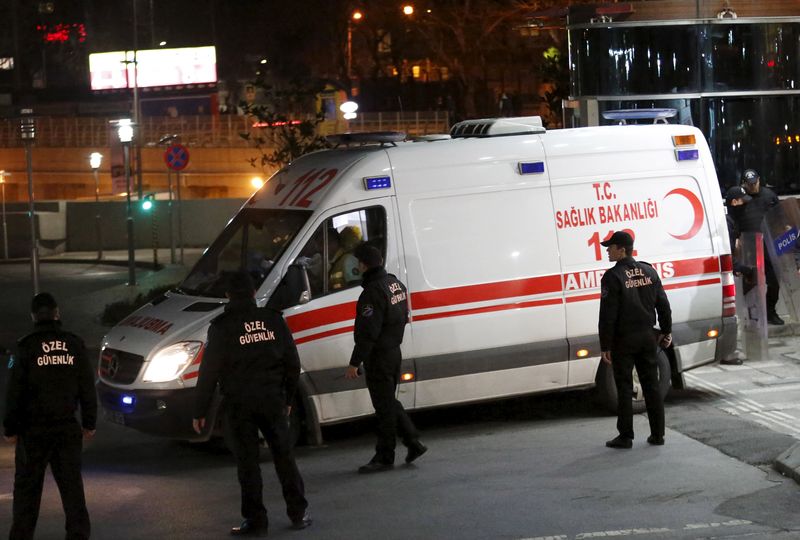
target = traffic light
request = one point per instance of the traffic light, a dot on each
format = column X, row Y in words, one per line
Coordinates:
column 147, row 201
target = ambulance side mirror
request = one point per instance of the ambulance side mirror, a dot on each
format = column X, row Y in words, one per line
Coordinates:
column 294, row 289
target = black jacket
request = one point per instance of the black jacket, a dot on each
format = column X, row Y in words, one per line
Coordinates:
column 250, row 352
column 381, row 315
column 751, row 214
column 48, row 379
column 630, row 296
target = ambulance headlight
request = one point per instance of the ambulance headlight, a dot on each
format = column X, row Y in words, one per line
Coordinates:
column 170, row 361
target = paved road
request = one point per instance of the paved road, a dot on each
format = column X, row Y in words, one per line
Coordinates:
column 524, row 468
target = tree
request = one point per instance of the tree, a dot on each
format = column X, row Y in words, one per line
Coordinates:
column 554, row 71
column 286, row 122
column 476, row 41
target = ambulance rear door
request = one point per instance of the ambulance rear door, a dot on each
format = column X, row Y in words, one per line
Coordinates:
column 631, row 178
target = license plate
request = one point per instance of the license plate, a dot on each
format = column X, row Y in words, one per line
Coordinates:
column 115, row 417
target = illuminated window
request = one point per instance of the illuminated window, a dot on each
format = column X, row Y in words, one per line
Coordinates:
column 416, row 71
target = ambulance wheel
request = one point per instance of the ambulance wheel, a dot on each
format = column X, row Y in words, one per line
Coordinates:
column 607, row 389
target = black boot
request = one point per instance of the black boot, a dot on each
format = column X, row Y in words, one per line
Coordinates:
column 415, row 449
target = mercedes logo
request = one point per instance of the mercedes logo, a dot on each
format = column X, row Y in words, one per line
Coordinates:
column 113, row 366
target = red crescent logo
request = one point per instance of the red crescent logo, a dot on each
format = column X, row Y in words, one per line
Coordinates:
column 697, row 208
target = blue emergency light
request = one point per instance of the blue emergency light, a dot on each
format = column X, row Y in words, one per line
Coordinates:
column 378, row 182
column 533, row 167
column 127, row 400
column 685, row 155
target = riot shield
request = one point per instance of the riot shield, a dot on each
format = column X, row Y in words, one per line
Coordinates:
column 751, row 302
column 781, row 225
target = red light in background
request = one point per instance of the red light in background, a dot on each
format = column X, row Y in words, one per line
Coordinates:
column 771, row 63
column 60, row 33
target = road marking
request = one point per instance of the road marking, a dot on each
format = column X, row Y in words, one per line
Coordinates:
column 735, row 403
column 772, row 389
column 743, row 367
column 643, row 530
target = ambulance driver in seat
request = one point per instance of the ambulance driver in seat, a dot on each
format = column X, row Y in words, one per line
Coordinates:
column 344, row 268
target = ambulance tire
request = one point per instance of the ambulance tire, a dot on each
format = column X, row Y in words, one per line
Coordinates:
column 607, row 389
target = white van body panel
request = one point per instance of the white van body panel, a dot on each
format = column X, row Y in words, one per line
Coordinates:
column 498, row 240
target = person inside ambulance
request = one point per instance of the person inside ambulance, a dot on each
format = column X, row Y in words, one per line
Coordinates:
column 749, row 220
column 344, row 267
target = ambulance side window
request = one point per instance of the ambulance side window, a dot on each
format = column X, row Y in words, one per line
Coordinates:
column 328, row 254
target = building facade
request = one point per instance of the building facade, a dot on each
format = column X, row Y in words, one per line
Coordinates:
column 731, row 68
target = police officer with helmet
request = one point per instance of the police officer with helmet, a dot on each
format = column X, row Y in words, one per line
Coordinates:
column 250, row 352
column 749, row 219
column 49, row 380
column 631, row 295
column 381, row 317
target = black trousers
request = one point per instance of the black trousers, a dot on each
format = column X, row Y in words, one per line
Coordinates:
column 773, row 286
column 60, row 447
column 383, row 374
column 640, row 351
column 243, row 427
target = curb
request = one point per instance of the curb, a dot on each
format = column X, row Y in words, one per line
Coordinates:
column 109, row 262
column 788, row 463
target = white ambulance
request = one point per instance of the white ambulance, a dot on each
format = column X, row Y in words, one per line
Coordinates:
column 496, row 231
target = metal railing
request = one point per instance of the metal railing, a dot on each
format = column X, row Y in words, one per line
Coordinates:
column 208, row 131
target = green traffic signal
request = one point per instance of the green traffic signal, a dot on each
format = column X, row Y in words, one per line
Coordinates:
column 147, row 202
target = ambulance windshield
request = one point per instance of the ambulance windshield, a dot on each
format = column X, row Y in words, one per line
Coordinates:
column 253, row 240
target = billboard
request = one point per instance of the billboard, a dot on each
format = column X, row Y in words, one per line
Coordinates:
column 156, row 67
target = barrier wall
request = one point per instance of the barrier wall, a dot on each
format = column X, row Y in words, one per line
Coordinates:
column 72, row 226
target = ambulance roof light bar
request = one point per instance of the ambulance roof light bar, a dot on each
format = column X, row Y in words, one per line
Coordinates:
column 658, row 116
column 367, row 137
column 498, row 127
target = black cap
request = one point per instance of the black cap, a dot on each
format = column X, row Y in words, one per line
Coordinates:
column 750, row 176
column 620, row 239
column 240, row 285
column 43, row 301
column 368, row 255
column 736, row 192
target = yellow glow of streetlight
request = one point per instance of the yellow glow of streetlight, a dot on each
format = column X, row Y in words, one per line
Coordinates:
column 357, row 15
column 408, row 9
column 256, row 182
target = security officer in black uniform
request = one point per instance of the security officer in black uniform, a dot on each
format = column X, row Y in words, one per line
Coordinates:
column 48, row 379
column 630, row 296
column 749, row 220
column 251, row 353
column 381, row 317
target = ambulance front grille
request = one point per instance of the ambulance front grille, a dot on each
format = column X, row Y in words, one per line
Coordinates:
column 119, row 366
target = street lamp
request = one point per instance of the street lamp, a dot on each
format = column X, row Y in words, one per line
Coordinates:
column 355, row 16
column 27, row 128
column 3, row 175
column 95, row 159
column 257, row 182
column 125, row 133
column 408, row 9
column 349, row 109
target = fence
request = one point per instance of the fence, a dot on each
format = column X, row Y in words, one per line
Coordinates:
column 210, row 131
